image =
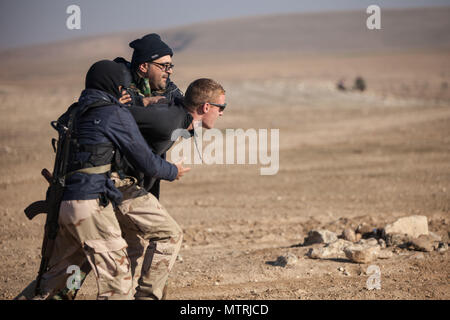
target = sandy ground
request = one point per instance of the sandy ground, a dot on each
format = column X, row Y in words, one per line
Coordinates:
column 345, row 158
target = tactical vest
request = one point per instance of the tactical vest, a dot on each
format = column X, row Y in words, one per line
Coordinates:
column 103, row 157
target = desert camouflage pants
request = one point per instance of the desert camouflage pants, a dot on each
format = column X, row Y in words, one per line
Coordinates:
column 153, row 238
column 90, row 231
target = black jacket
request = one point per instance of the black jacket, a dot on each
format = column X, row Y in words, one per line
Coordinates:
column 157, row 123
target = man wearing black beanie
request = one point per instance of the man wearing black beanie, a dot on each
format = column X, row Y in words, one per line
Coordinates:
column 150, row 69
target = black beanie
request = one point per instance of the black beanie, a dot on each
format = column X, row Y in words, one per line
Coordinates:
column 107, row 76
column 148, row 48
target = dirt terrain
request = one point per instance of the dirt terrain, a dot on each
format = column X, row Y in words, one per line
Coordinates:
column 346, row 158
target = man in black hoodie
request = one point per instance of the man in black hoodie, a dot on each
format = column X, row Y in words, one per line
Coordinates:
column 88, row 226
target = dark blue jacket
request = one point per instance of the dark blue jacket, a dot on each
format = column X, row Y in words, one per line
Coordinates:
column 110, row 123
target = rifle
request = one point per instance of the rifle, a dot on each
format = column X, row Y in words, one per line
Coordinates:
column 55, row 191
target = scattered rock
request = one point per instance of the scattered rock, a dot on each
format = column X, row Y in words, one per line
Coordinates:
column 369, row 242
column 435, row 237
column 300, row 292
column 443, row 246
column 358, row 237
column 413, row 226
column 179, row 258
column 320, row 236
column 341, row 269
column 349, row 235
column 382, row 243
column 317, row 253
column 364, row 229
column 346, row 273
column 364, row 255
column 385, row 254
column 332, row 250
column 397, row 239
column 422, row 243
column 286, row 260
column 339, row 245
column 418, row 255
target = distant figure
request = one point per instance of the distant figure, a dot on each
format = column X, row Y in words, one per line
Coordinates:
column 341, row 86
column 360, row 84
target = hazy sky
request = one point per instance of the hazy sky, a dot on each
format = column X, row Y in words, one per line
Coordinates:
column 25, row 22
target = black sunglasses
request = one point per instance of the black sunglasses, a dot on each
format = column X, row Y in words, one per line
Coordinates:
column 164, row 66
column 221, row 106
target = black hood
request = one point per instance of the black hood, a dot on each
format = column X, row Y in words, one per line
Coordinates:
column 107, row 76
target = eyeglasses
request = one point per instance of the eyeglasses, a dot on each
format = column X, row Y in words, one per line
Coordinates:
column 221, row 106
column 164, row 66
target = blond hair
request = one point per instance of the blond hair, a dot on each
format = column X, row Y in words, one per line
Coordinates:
column 201, row 91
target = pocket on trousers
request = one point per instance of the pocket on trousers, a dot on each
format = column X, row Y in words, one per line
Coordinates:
column 109, row 245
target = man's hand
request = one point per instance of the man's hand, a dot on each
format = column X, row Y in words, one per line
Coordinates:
column 152, row 100
column 181, row 170
column 125, row 98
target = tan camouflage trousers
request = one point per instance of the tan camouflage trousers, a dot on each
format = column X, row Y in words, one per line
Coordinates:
column 90, row 231
column 153, row 237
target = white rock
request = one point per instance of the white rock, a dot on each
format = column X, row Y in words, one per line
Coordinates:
column 320, row 236
column 371, row 242
column 413, row 226
column 317, row 253
column 364, row 255
column 339, row 244
column 422, row 243
column 349, row 234
column 286, row 260
column 332, row 250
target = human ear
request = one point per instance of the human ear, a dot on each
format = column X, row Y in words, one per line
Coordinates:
column 143, row 67
column 205, row 107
